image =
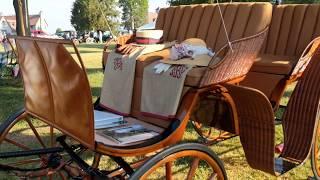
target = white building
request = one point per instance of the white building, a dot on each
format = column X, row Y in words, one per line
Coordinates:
column 5, row 26
column 8, row 23
column 38, row 22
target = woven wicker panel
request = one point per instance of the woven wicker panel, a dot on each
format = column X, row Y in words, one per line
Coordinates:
column 300, row 118
column 236, row 62
column 256, row 126
column 256, row 120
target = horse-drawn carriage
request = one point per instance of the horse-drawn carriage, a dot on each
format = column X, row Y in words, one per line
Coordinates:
column 55, row 135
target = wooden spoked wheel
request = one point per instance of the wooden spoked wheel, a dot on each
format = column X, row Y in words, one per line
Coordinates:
column 183, row 161
column 209, row 134
column 315, row 154
column 20, row 133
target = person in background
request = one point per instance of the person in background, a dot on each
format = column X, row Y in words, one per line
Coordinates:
column 1, row 37
column 100, row 36
column 6, row 45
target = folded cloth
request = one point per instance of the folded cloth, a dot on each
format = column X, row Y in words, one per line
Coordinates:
column 179, row 51
column 156, row 47
column 199, row 60
column 161, row 67
column 116, row 93
column 161, row 93
column 192, row 51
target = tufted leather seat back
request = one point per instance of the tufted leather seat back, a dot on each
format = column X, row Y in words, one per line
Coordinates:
column 292, row 28
column 204, row 22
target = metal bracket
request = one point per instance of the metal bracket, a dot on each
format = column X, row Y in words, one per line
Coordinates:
column 81, row 163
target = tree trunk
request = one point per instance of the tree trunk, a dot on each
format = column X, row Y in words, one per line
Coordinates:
column 20, row 17
column 26, row 16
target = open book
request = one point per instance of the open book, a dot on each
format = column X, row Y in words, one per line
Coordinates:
column 127, row 133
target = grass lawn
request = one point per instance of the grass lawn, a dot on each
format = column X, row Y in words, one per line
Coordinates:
column 230, row 151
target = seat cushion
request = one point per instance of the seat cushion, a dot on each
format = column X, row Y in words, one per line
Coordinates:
column 274, row 64
column 262, row 81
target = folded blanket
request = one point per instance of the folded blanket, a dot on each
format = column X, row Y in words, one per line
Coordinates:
column 116, row 93
column 161, row 93
column 156, row 47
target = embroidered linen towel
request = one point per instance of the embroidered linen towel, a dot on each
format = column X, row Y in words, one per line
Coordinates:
column 161, row 93
column 116, row 93
column 117, row 89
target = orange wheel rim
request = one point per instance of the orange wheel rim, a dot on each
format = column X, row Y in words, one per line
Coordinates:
column 217, row 172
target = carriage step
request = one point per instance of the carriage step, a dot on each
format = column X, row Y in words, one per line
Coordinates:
column 282, row 165
column 31, row 152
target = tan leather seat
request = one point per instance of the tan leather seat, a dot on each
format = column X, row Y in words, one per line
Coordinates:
column 204, row 22
column 292, row 27
column 241, row 19
column 262, row 81
column 273, row 64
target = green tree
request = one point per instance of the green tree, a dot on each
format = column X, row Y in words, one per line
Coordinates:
column 86, row 15
column 80, row 15
column 135, row 13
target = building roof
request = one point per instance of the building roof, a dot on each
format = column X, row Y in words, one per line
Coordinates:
column 10, row 21
column 10, row 18
column 32, row 18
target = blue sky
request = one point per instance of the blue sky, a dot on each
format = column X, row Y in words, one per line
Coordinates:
column 58, row 12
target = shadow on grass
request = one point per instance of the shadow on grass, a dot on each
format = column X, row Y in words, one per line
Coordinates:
column 96, row 91
column 93, row 71
column 23, row 136
column 11, row 97
column 287, row 93
column 12, row 82
column 86, row 52
column 289, row 90
column 96, row 46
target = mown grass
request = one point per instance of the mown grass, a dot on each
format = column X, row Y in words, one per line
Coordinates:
column 230, row 151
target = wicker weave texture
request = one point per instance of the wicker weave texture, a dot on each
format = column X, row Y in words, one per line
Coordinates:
column 305, row 58
column 256, row 126
column 236, row 62
column 302, row 114
column 256, row 119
